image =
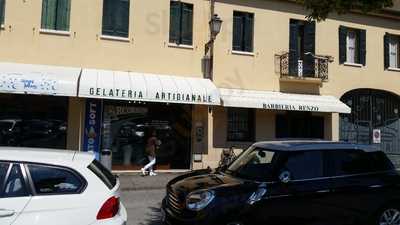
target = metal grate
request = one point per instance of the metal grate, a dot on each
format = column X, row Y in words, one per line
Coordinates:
column 174, row 203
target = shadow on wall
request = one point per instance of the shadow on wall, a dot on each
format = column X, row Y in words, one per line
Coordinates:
column 288, row 7
column 293, row 87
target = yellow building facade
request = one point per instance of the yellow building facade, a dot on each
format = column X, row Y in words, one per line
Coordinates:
column 136, row 79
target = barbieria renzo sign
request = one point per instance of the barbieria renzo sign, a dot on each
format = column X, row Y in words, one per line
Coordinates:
column 158, row 96
column 288, row 107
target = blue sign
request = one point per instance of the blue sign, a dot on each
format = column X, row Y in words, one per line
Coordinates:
column 92, row 132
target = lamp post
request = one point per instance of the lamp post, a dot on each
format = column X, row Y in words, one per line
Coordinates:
column 215, row 27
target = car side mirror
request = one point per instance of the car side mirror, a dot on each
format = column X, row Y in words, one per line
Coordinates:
column 285, row 177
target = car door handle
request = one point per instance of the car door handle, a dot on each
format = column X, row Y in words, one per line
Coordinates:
column 6, row 213
column 376, row 186
column 323, row 191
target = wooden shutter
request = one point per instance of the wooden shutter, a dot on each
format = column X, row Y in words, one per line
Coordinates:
column 363, row 47
column 386, row 50
column 187, row 24
column 293, row 48
column 174, row 22
column 49, row 8
column 309, row 47
column 2, row 11
column 122, row 18
column 237, row 40
column 63, row 11
column 342, row 44
column 108, row 17
column 248, row 32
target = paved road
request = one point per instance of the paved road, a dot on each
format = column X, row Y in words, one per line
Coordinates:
column 142, row 197
column 143, row 206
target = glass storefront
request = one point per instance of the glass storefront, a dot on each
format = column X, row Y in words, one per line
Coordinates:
column 128, row 126
column 33, row 121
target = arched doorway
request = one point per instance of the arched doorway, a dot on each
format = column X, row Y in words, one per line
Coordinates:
column 372, row 110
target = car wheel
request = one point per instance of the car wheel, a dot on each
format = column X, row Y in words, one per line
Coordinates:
column 389, row 216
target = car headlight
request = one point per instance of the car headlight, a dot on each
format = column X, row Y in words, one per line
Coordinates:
column 197, row 201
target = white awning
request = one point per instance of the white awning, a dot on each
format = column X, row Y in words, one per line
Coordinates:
column 282, row 101
column 147, row 87
column 18, row 78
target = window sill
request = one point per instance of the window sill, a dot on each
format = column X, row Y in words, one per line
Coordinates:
column 353, row 64
column 174, row 45
column 55, row 32
column 114, row 38
column 393, row 69
column 243, row 53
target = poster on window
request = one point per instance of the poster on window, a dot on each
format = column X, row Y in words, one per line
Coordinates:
column 376, row 133
column 92, row 135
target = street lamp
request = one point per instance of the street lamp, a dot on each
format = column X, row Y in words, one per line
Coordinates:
column 215, row 26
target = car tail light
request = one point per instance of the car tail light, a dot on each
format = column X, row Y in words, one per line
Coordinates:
column 109, row 209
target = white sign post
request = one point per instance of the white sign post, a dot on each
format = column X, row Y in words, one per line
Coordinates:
column 376, row 136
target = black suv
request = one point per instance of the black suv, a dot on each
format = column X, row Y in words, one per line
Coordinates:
column 290, row 182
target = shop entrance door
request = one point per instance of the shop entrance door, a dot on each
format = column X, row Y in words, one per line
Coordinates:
column 299, row 125
column 128, row 127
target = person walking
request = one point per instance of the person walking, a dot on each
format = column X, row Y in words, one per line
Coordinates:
column 151, row 146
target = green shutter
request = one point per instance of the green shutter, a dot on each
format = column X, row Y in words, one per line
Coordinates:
column 187, row 24
column 293, row 47
column 49, row 8
column 237, row 40
column 386, row 50
column 63, row 15
column 2, row 11
column 363, row 48
column 248, row 32
column 342, row 44
column 309, row 47
column 122, row 18
column 174, row 22
column 108, row 17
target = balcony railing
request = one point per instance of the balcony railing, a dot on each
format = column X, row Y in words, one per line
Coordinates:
column 315, row 66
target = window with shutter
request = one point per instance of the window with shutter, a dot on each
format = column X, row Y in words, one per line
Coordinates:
column 181, row 23
column 116, row 18
column 56, row 14
column 2, row 11
column 243, row 31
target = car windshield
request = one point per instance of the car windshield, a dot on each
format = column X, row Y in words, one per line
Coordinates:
column 255, row 164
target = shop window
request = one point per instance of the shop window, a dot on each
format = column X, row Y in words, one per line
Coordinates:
column 392, row 53
column 56, row 14
column 352, row 45
column 241, row 124
column 127, row 128
column 299, row 125
column 2, row 11
column 181, row 23
column 116, row 18
column 243, row 29
column 33, row 121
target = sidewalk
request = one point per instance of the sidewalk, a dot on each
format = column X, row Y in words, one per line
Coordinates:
column 135, row 181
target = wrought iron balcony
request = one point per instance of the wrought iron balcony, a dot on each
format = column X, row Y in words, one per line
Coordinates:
column 313, row 66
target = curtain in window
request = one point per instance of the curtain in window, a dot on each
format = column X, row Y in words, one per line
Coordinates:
column 56, row 14
column 351, row 47
column 393, row 51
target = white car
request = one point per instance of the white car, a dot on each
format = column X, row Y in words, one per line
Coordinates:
column 57, row 187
